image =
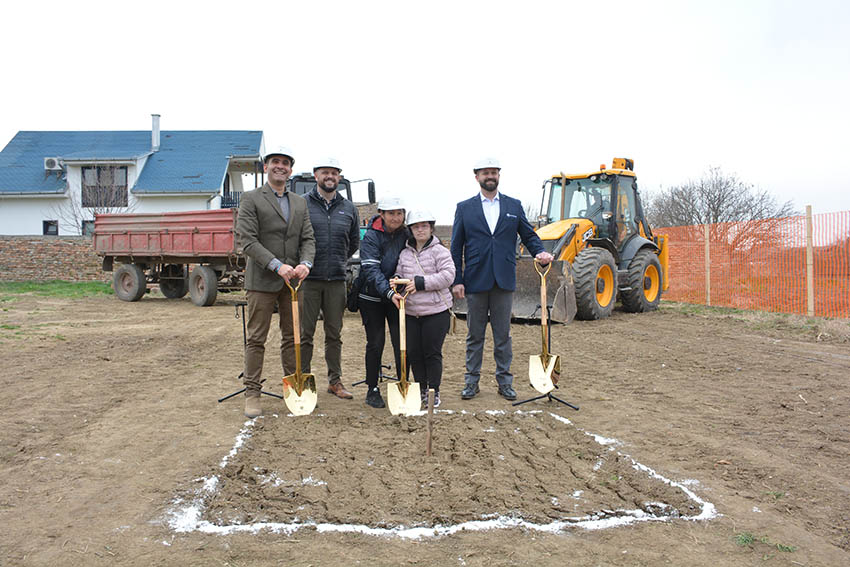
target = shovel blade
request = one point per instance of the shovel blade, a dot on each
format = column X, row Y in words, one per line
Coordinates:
column 304, row 403
column 543, row 377
column 403, row 404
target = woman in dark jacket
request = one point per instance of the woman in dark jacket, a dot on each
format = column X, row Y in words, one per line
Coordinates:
column 378, row 303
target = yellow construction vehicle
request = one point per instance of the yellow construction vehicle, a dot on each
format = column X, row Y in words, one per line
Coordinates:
column 594, row 225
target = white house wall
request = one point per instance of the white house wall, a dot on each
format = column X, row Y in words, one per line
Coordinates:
column 172, row 204
column 23, row 216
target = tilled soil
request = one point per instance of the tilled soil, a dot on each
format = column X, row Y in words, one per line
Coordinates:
column 375, row 472
column 111, row 427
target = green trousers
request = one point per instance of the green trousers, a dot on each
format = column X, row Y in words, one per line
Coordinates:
column 329, row 298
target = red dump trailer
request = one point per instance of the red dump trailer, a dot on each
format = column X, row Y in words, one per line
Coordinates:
column 158, row 248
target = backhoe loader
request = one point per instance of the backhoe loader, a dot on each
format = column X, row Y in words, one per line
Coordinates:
column 594, row 225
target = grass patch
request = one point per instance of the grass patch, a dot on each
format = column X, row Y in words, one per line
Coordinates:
column 746, row 539
column 818, row 328
column 9, row 327
column 55, row 288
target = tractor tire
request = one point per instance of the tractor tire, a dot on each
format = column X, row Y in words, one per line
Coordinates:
column 173, row 288
column 645, row 283
column 203, row 286
column 129, row 282
column 595, row 280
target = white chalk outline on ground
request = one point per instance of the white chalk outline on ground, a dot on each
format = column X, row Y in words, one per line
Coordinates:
column 186, row 517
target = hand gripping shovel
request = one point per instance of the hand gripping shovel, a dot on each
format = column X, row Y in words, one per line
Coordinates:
column 403, row 396
column 545, row 369
column 299, row 389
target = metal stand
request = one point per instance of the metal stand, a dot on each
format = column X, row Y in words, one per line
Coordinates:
column 242, row 304
column 381, row 376
column 548, row 396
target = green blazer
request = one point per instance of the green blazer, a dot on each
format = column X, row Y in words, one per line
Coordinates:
column 263, row 235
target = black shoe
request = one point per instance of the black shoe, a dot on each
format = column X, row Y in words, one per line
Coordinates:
column 469, row 392
column 374, row 399
column 424, row 397
column 507, row 392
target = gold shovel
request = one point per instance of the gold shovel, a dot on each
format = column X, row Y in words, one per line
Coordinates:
column 403, row 397
column 544, row 370
column 299, row 389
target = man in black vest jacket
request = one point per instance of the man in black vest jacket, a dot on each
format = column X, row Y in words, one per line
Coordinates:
column 336, row 226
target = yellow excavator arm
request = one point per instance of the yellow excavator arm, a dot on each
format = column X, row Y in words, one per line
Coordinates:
column 566, row 242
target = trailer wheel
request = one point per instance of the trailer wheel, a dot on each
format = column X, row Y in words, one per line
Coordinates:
column 595, row 283
column 203, row 286
column 129, row 282
column 645, row 283
column 173, row 288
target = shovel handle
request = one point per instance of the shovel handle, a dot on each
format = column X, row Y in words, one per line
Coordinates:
column 401, row 282
column 296, row 334
column 402, row 331
column 544, row 311
column 294, row 290
column 402, row 339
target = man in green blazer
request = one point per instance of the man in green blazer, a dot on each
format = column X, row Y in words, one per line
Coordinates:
column 274, row 231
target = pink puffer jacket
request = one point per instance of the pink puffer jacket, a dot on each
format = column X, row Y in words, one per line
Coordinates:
column 434, row 263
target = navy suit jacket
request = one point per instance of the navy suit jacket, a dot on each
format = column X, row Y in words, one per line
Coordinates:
column 483, row 260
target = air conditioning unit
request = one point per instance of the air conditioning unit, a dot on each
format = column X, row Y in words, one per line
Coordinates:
column 52, row 164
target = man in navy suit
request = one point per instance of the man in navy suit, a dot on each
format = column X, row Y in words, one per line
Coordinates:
column 484, row 252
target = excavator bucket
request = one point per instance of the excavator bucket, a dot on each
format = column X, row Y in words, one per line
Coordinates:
column 561, row 293
column 526, row 302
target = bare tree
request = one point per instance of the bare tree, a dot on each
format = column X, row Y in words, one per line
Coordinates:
column 103, row 190
column 716, row 197
column 531, row 212
column 739, row 215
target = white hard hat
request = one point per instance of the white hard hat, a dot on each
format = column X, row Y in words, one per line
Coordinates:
column 420, row 215
column 279, row 151
column 486, row 163
column 327, row 162
column 390, row 204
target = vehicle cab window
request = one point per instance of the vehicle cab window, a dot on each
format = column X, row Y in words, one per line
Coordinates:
column 625, row 213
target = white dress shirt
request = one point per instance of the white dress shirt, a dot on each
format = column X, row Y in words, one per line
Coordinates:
column 491, row 211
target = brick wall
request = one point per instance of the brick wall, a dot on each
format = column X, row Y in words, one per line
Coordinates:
column 43, row 258
column 366, row 212
column 71, row 258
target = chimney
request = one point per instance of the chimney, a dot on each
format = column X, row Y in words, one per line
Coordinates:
column 155, row 132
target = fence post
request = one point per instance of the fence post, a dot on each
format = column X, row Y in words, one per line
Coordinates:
column 707, row 269
column 810, row 265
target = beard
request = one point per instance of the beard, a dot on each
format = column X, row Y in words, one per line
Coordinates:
column 324, row 186
column 489, row 185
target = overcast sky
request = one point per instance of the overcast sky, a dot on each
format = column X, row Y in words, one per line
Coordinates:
column 411, row 94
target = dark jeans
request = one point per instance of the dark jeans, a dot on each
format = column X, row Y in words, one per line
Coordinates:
column 425, row 336
column 374, row 315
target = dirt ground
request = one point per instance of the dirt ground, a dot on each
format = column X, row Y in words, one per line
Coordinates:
column 111, row 433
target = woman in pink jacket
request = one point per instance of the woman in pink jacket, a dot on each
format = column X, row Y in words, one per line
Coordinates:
column 429, row 266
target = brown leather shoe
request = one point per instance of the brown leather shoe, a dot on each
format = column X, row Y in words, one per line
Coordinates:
column 253, row 407
column 338, row 390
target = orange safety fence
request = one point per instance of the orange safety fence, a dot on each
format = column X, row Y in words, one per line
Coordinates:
column 762, row 264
